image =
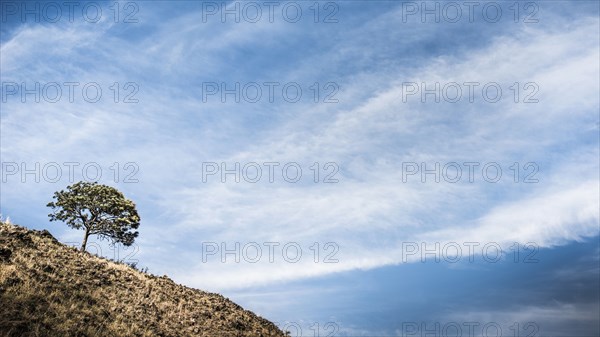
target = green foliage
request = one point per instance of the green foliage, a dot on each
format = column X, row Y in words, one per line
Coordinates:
column 99, row 210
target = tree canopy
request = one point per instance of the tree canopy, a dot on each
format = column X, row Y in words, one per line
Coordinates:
column 97, row 209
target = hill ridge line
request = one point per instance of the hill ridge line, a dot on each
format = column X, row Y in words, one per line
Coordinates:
column 50, row 289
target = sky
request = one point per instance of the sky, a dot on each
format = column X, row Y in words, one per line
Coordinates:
column 349, row 168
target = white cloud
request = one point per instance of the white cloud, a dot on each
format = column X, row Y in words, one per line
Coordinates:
column 369, row 219
column 370, row 210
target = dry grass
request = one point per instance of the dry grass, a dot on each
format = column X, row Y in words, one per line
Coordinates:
column 49, row 289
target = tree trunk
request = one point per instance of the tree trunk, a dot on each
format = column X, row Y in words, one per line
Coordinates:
column 85, row 238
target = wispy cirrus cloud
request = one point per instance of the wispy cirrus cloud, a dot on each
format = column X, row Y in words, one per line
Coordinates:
column 368, row 138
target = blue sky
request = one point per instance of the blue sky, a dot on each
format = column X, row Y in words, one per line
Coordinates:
column 172, row 61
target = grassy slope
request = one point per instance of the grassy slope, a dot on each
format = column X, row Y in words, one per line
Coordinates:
column 49, row 289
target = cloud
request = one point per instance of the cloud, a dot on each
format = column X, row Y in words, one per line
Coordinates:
column 550, row 320
column 369, row 135
column 370, row 211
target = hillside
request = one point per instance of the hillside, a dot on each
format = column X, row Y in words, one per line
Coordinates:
column 50, row 289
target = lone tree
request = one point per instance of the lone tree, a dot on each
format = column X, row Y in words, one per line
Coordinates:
column 98, row 209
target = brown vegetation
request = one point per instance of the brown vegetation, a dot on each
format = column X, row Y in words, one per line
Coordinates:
column 49, row 289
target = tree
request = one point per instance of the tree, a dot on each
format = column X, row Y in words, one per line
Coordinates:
column 98, row 209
